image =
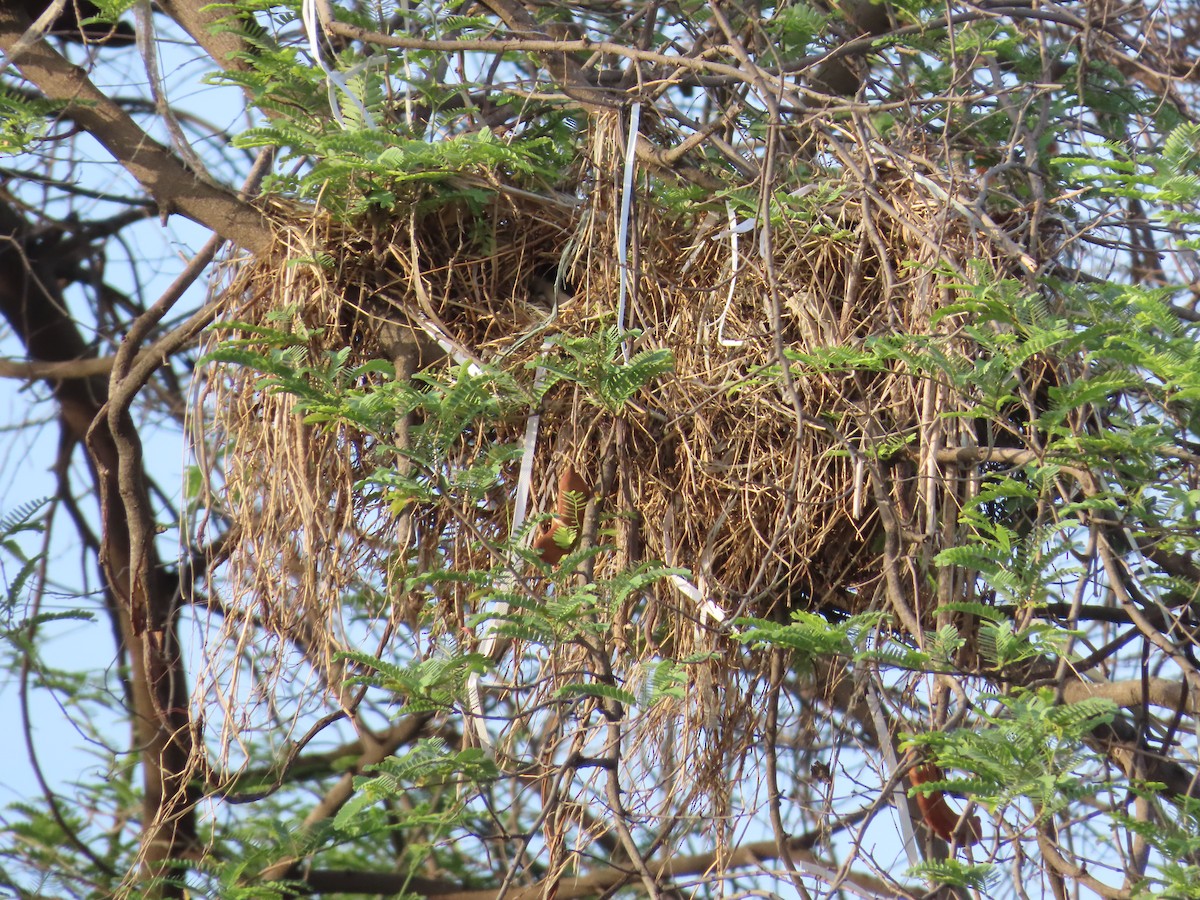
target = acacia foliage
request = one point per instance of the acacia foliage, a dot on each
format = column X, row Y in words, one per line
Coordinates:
column 1053, row 678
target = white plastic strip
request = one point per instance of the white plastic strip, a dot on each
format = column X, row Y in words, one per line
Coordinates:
column 705, row 608
column 635, row 122
column 734, row 266
column 312, row 30
column 899, row 795
column 520, row 510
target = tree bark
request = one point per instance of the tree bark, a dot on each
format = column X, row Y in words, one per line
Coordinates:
column 35, row 309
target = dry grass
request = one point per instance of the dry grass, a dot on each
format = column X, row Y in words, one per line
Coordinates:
column 762, row 489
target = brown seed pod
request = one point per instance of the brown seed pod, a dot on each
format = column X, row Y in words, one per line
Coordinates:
column 559, row 536
column 550, row 550
column 572, row 496
column 937, row 813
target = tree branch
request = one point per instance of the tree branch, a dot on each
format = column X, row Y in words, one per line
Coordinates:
column 597, row 882
column 173, row 187
column 37, row 370
column 375, row 751
column 1165, row 692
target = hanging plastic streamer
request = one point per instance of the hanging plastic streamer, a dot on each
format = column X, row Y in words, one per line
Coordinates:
column 333, row 78
column 635, row 121
column 520, row 508
column 735, row 228
column 899, row 796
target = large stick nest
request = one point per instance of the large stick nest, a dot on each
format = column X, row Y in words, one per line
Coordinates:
column 763, row 490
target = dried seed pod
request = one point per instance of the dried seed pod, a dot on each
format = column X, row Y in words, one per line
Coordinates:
column 938, row 815
column 572, row 496
column 550, row 550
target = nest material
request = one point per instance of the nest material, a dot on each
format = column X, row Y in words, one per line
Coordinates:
column 765, row 495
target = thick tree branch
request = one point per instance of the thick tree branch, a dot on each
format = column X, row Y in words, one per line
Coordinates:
column 1056, row 860
column 37, row 370
column 747, row 856
column 38, row 315
column 205, row 22
column 173, row 187
column 1165, row 692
